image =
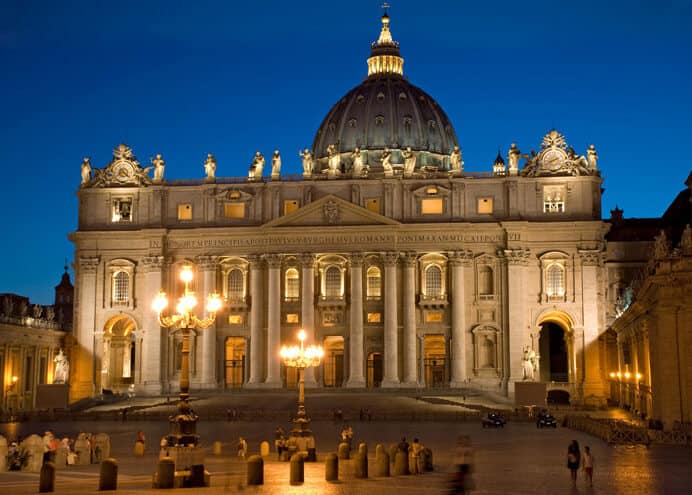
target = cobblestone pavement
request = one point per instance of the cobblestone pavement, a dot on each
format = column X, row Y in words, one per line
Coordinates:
column 517, row 459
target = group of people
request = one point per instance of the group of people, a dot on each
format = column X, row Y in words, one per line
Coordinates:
column 576, row 458
column 347, row 436
column 415, row 453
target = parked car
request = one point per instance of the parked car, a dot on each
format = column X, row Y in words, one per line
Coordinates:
column 546, row 420
column 493, row 420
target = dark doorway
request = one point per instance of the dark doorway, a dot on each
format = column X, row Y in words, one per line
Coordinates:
column 558, row 397
column 553, row 350
column 374, row 369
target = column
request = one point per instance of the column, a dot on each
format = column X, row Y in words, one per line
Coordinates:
column 356, row 377
column 207, row 275
column 459, row 262
column 591, row 261
column 516, row 323
column 409, row 313
column 152, row 350
column 274, row 321
column 307, row 307
column 391, row 345
column 82, row 353
column 256, row 322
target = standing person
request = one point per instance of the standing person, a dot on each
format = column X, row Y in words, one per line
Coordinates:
column 588, row 465
column 242, row 448
column 573, row 459
column 416, row 457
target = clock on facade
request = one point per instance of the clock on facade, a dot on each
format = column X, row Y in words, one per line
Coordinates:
column 553, row 160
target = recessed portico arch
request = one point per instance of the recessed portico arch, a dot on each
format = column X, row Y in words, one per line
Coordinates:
column 554, row 344
column 119, row 353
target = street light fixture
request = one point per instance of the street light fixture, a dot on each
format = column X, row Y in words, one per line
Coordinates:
column 183, row 426
column 301, row 358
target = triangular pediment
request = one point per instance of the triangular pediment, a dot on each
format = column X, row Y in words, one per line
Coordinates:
column 330, row 211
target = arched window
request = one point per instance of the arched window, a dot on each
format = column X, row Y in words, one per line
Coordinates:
column 485, row 282
column 433, row 281
column 555, row 280
column 374, row 289
column 235, row 289
column 121, row 288
column 332, row 282
column 292, row 285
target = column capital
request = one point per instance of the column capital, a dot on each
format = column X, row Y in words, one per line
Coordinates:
column 591, row 257
column 255, row 260
column 206, row 263
column 409, row 258
column 460, row 258
column 273, row 260
column 88, row 264
column 307, row 260
column 153, row 263
column 517, row 256
column 390, row 258
column 357, row 259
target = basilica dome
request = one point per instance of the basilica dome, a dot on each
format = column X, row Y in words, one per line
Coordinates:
column 385, row 111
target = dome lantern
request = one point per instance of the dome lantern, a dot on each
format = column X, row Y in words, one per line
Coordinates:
column 384, row 53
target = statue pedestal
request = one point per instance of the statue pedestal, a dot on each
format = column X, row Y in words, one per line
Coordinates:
column 52, row 396
column 530, row 393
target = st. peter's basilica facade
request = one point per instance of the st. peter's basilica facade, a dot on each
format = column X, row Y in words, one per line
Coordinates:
column 407, row 269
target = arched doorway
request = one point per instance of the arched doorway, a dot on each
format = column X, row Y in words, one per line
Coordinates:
column 119, row 354
column 234, row 362
column 333, row 361
column 434, row 360
column 553, row 348
column 374, row 378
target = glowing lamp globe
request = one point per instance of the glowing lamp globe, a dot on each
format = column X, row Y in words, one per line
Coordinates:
column 160, row 302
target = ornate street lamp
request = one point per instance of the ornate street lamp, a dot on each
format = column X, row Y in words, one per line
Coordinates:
column 183, row 426
column 301, row 358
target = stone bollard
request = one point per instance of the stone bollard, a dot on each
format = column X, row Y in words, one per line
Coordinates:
column 297, row 469
column 139, row 449
column 264, row 449
column 108, row 478
column 217, row 448
column 255, row 470
column 393, row 449
column 46, row 482
column 165, row 475
column 382, row 465
column 363, row 448
column 379, row 450
column 344, row 451
column 361, row 465
column 401, row 464
column 331, row 467
column 427, row 460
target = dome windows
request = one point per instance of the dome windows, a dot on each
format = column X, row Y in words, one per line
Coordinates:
column 360, row 99
column 402, row 96
column 379, row 120
column 352, row 123
column 432, row 124
column 380, row 96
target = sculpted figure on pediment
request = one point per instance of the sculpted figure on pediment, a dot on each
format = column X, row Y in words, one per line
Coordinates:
column 210, row 166
column 333, row 161
column 592, row 158
column 409, row 162
column 159, row 165
column 276, row 164
column 513, row 156
column 256, row 167
column 387, row 162
column 357, row 165
column 308, row 162
column 86, row 171
column 455, row 162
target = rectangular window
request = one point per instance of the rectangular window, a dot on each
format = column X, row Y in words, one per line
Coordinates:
column 553, row 199
column 122, row 210
column 374, row 317
column 292, row 318
column 433, row 316
column 185, row 211
column 431, row 206
column 485, row 206
column 235, row 319
column 373, row 204
column 290, row 205
column 234, row 210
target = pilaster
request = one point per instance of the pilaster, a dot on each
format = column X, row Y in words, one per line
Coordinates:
column 207, row 268
column 409, row 314
column 82, row 377
column 356, row 377
column 274, row 321
column 459, row 261
column 256, row 322
column 391, row 347
column 307, row 298
column 591, row 262
column 517, row 261
column 152, row 352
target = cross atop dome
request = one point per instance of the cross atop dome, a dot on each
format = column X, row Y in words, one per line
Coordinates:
column 385, row 58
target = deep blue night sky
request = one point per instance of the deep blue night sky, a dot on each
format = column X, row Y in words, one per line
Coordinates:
column 187, row 78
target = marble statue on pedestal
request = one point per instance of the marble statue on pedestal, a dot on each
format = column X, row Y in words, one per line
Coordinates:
column 86, row 170
column 159, row 165
column 387, row 163
column 333, row 162
column 276, row 164
column 513, row 159
column 62, row 368
column 455, row 163
column 357, row 165
column 308, row 162
column 256, row 167
column 528, row 363
column 409, row 162
column 210, row 166
column 592, row 157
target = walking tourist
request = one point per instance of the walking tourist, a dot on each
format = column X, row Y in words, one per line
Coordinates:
column 573, row 459
column 587, row 463
column 242, row 448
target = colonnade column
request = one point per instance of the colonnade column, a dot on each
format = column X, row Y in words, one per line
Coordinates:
column 391, row 346
column 307, row 307
column 82, row 377
column 516, row 323
column 207, row 268
column 459, row 260
column 591, row 263
column 356, row 378
column 152, row 351
column 274, row 321
column 256, row 322
column 410, row 341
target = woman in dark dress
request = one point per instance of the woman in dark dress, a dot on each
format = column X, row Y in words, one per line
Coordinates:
column 573, row 459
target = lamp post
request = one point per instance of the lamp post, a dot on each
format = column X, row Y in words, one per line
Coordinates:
column 301, row 358
column 183, row 426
